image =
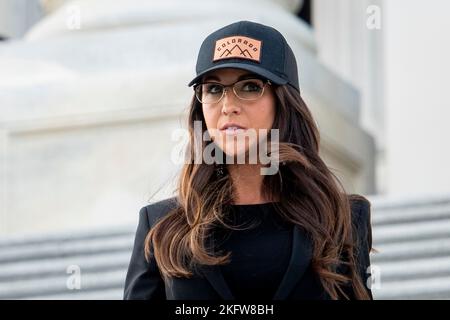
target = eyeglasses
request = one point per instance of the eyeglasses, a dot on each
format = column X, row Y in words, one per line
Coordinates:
column 213, row 92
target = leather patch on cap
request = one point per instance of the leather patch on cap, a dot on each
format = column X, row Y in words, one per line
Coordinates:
column 237, row 47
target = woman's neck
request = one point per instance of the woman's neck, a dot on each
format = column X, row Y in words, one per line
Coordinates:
column 247, row 183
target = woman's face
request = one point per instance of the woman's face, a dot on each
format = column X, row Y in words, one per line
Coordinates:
column 250, row 115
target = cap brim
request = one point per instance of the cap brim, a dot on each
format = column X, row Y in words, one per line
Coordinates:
column 248, row 67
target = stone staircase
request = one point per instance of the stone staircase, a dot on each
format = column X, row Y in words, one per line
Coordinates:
column 413, row 237
column 43, row 267
column 413, row 240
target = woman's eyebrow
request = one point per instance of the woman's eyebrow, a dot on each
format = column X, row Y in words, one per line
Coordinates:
column 241, row 77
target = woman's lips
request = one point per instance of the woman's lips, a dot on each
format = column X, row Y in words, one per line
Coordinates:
column 233, row 131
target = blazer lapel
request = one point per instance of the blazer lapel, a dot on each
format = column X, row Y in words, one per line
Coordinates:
column 300, row 259
column 215, row 277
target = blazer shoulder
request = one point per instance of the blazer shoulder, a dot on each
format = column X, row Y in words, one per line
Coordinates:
column 157, row 210
column 361, row 217
column 361, row 208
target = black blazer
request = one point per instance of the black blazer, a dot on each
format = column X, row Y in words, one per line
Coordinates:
column 144, row 281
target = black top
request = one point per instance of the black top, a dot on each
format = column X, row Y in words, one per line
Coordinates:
column 252, row 272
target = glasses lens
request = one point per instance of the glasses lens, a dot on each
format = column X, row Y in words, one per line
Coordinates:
column 250, row 89
column 209, row 92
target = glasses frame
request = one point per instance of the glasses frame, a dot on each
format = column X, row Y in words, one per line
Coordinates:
column 233, row 86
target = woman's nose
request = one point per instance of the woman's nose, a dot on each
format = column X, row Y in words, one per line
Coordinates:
column 230, row 102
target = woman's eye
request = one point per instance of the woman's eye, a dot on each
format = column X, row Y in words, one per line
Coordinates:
column 251, row 86
column 214, row 89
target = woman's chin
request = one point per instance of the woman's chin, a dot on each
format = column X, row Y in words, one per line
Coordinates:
column 237, row 153
column 233, row 153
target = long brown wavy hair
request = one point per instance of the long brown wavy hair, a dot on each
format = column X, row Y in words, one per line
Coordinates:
column 309, row 195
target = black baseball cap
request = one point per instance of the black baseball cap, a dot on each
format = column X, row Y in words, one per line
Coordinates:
column 249, row 46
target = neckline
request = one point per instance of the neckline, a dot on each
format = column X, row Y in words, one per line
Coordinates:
column 255, row 204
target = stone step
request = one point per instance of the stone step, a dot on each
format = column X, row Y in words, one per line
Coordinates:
column 102, row 294
column 64, row 236
column 29, row 288
column 427, row 288
column 411, row 250
column 414, row 269
column 102, row 261
column 75, row 247
column 384, row 203
column 411, row 232
column 401, row 215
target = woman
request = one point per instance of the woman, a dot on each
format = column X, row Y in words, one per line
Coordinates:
column 235, row 231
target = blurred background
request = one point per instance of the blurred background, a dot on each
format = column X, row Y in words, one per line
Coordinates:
column 91, row 92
